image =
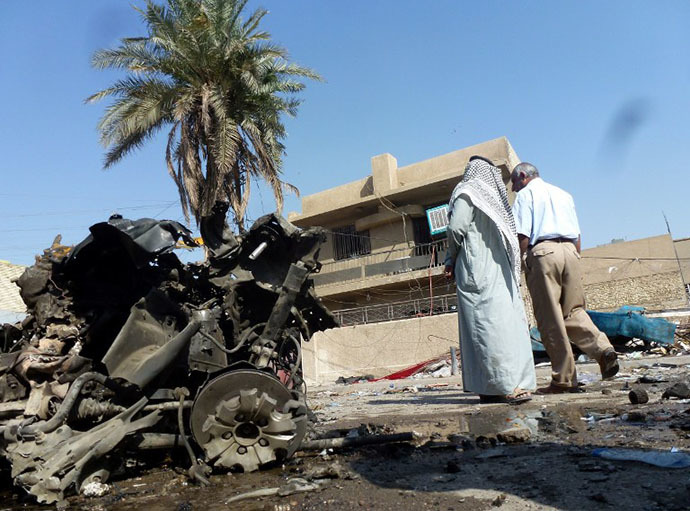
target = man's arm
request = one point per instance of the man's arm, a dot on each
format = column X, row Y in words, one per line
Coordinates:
column 577, row 243
column 458, row 225
column 524, row 244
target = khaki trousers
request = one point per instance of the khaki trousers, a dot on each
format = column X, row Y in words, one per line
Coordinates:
column 554, row 280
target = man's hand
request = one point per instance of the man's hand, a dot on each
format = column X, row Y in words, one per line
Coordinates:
column 449, row 272
column 524, row 244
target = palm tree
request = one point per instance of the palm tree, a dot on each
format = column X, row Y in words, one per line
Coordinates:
column 221, row 87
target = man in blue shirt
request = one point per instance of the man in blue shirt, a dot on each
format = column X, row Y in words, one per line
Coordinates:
column 549, row 235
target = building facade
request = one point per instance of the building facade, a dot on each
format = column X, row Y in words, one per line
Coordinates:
column 386, row 232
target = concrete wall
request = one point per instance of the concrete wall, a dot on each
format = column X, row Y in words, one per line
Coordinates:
column 640, row 272
column 628, row 259
column 378, row 349
column 683, row 250
column 654, row 292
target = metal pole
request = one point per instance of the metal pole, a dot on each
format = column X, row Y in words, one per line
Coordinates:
column 334, row 443
column 453, row 362
column 680, row 267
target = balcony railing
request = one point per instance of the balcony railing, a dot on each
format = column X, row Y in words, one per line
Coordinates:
column 390, row 262
column 399, row 310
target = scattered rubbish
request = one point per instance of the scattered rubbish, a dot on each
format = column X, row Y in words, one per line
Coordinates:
column 95, row 489
column 652, row 378
column 634, row 416
column 583, row 359
column 587, row 378
column 293, row 485
column 514, row 435
column 349, row 380
column 665, row 459
column 638, row 396
column 599, row 417
column 331, row 471
column 442, row 372
column 677, row 390
column 432, row 386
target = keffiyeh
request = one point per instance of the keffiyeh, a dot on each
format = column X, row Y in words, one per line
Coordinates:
column 483, row 185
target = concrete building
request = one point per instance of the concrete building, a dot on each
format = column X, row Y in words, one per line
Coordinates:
column 382, row 246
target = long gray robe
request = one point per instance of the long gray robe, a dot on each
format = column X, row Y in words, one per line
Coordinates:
column 495, row 346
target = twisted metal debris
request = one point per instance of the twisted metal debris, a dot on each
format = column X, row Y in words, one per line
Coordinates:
column 125, row 349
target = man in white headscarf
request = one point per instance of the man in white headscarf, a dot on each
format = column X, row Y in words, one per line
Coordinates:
column 484, row 258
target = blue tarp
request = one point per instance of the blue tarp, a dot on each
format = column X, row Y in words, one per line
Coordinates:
column 629, row 322
column 624, row 324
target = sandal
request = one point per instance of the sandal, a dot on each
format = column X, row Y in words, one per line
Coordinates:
column 517, row 397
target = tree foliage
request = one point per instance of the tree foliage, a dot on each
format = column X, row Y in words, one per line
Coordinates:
column 221, row 87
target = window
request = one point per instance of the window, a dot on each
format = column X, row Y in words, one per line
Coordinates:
column 420, row 228
column 350, row 243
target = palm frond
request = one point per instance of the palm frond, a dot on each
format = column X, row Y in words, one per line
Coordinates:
column 220, row 84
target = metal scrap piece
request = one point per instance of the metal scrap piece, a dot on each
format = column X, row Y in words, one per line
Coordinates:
column 48, row 465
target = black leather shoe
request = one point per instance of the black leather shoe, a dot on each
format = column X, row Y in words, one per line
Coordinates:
column 608, row 364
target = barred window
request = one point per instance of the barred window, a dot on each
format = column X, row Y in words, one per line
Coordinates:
column 350, row 243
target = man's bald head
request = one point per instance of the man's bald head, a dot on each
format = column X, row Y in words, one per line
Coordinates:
column 522, row 174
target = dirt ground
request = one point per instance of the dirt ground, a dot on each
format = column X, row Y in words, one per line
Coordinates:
column 467, row 456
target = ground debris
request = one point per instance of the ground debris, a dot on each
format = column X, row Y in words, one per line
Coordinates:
column 514, row 435
column 680, row 390
column 292, row 486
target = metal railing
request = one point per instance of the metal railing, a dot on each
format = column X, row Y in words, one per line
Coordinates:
column 398, row 310
column 390, row 262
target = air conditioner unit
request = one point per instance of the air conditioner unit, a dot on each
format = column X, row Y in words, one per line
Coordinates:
column 437, row 218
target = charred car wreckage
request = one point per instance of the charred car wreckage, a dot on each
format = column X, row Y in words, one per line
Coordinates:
column 126, row 349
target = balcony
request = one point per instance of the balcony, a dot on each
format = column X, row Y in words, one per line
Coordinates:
column 397, row 261
column 398, row 310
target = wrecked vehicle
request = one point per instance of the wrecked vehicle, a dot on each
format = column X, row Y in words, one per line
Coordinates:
column 125, row 349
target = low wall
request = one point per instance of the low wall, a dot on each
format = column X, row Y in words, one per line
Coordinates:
column 657, row 291
column 378, row 348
